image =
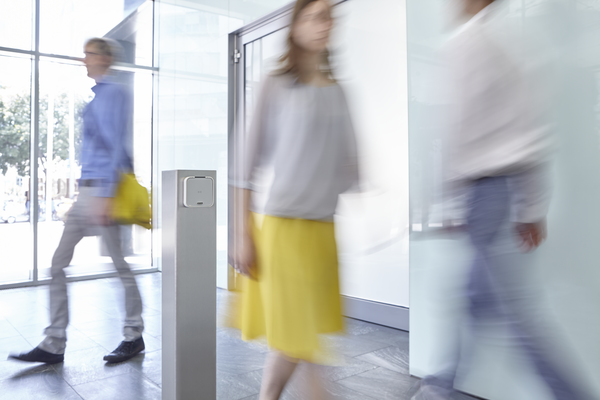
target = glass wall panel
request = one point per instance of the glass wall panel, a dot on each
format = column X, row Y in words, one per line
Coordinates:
column 64, row 26
column 67, row 24
column 192, row 113
column 65, row 90
column 140, row 256
column 16, row 19
column 15, row 117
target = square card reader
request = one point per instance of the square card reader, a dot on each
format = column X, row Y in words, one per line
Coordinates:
column 198, row 191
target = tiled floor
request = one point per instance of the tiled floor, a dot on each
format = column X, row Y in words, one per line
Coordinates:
column 372, row 360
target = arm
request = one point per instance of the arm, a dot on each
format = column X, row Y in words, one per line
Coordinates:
column 531, row 198
column 245, row 252
column 251, row 151
column 112, row 118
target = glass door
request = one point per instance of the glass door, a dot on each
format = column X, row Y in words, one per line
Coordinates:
column 256, row 57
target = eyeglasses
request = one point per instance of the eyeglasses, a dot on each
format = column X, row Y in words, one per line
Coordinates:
column 91, row 53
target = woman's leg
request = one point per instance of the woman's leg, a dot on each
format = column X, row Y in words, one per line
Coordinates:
column 315, row 386
column 277, row 373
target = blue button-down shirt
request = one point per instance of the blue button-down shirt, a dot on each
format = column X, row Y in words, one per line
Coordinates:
column 106, row 149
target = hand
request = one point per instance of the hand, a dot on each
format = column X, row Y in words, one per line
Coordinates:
column 245, row 256
column 103, row 209
column 531, row 235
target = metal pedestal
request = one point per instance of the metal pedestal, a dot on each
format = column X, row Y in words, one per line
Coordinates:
column 189, row 222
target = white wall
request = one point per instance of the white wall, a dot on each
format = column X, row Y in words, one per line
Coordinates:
column 369, row 55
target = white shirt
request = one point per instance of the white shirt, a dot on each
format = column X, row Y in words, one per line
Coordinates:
column 497, row 123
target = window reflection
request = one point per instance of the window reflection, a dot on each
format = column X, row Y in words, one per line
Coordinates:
column 16, row 24
column 15, row 117
column 67, row 24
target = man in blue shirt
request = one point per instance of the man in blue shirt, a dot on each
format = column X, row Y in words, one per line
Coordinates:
column 105, row 154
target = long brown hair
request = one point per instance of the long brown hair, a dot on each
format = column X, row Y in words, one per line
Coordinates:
column 289, row 60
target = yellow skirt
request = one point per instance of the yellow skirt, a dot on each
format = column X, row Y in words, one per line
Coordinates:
column 296, row 295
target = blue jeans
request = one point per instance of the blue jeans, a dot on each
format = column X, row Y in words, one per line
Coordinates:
column 499, row 287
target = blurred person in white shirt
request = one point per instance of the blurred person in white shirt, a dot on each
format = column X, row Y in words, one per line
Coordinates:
column 497, row 144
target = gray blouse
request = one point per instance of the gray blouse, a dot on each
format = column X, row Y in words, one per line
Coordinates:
column 300, row 152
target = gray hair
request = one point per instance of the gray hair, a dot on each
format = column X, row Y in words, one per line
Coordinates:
column 107, row 47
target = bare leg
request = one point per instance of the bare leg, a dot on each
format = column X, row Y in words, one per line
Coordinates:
column 314, row 383
column 277, row 373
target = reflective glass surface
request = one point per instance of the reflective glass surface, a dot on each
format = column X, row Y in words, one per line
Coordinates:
column 15, row 116
column 16, row 19
column 67, row 24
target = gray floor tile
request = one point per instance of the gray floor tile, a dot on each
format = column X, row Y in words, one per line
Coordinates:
column 238, row 386
column 300, row 388
column 132, row 386
column 87, row 313
column 392, row 358
column 7, row 330
column 28, row 316
column 12, row 368
column 238, row 359
column 85, row 366
column 95, row 328
column 34, row 328
column 345, row 367
column 150, row 366
column 382, row 384
column 403, row 343
column 226, row 336
column 75, row 340
column 44, row 384
column 365, row 365
column 13, row 344
column 351, row 346
column 376, row 333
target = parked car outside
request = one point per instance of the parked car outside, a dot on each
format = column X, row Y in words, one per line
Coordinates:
column 13, row 212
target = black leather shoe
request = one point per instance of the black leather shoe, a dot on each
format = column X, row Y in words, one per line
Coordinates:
column 125, row 351
column 38, row 355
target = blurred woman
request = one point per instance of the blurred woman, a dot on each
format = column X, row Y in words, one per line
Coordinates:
column 302, row 133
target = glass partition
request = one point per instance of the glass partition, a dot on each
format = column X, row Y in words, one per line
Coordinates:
column 48, row 113
column 15, row 127
column 66, row 24
column 16, row 23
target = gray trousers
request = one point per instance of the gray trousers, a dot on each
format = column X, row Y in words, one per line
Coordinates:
column 500, row 289
column 80, row 223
